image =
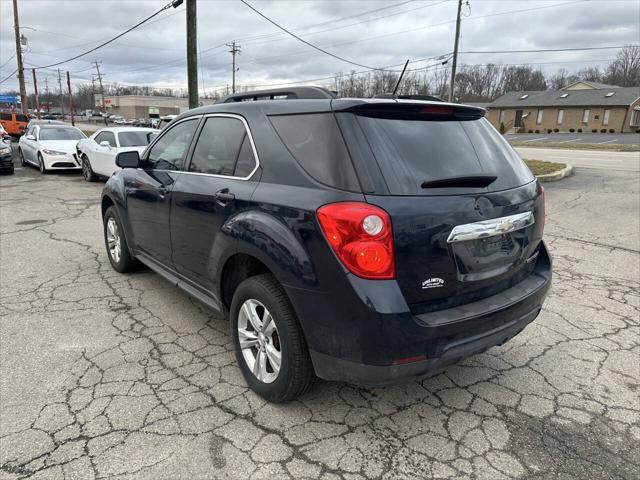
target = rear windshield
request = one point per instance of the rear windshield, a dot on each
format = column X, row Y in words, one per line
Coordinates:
column 60, row 133
column 134, row 139
column 410, row 152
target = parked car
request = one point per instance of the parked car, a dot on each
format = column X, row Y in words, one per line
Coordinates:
column 97, row 153
column 14, row 123
column 165, row 120
column 6, row 156
column 363, row 240
column 50, row 147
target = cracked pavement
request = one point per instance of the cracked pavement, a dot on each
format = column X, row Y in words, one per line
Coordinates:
column 125, row 376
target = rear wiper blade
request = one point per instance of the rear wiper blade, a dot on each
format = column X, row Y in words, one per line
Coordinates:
column 463, row 181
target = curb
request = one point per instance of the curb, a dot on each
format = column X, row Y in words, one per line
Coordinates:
column 559, row 175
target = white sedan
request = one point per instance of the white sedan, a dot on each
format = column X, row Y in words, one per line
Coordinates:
column 50, row 147
column 98, row 152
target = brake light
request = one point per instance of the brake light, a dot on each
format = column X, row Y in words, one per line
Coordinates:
column 360, row 235
column 438, row 110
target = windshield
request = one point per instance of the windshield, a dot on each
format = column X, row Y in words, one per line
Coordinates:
column 134, row 139
column 60, row 133
column 412, row 152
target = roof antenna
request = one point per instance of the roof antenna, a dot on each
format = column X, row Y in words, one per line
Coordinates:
column 395, row 90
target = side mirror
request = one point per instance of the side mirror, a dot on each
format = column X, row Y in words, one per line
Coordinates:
column 128, row 159
column 30, row 137
column 105, row 143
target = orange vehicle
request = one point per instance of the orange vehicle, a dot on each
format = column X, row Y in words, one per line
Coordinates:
column 14, row 122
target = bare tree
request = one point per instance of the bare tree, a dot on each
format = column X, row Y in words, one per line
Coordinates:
column 624, row 71
column 522, row 78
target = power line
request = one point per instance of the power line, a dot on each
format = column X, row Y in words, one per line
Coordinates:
column 174, row 4
column 9, row 76
column 304, row 41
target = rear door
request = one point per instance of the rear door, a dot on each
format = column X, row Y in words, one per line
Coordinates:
column 467, row 214
column 217, row 183
column 150, row 187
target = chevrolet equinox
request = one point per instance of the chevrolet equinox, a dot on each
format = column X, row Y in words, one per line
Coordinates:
column 370, row 241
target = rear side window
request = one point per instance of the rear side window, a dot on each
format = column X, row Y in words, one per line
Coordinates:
column 223, row 148
column 410, row 152
column 21, row 118
column 316, row 143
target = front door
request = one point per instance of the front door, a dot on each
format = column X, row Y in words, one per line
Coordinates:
column 149, row 191
column 102, row 155
column 218, row 182
column 518, row 121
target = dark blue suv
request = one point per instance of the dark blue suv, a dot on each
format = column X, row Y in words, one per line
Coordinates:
column 370, row 241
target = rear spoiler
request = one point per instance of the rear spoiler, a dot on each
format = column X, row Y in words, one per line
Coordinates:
column 415, row 110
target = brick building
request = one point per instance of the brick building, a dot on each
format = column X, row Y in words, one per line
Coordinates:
column 585, row 106
column 142, row 106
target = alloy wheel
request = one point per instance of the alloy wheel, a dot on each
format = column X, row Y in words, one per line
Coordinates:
column 113, row 240
column 259, row 341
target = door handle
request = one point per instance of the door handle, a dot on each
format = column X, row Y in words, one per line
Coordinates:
column 223, row 196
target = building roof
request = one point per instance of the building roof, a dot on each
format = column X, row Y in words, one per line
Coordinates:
column 573, row 98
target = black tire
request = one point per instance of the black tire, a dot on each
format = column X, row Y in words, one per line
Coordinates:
column 23, row 162
column 296, row 373
column 87, row 171
column 41, row 166
column 126, row 263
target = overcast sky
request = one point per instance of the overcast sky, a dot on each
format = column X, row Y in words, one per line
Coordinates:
column 391, row 32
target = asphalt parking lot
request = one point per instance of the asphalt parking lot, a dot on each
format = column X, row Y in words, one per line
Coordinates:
column 593, row 138
column 106, row 375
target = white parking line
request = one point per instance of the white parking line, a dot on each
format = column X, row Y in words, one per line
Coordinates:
column 569, row 141
column 535, row 139
column 608, row 141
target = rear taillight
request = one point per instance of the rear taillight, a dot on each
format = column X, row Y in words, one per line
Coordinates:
column 360, row 235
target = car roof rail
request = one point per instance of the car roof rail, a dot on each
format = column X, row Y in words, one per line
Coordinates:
column 430, row 98
column 291, row 93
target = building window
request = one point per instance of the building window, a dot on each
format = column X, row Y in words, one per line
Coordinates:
column 585, row 116
column 501, row 120
column 605, row 118
column 539, row 117
column 635, row 118
column 560, row 116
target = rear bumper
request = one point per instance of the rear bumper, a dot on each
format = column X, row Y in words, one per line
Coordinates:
column 401, row 346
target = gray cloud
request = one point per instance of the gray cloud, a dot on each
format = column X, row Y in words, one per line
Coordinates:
column 154, row 54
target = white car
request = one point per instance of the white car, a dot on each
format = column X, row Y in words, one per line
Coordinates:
column 50, row 147
column 98, row 152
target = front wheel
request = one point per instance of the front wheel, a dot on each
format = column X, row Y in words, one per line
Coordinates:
column 43, row 168
column 270, row 347
column 23, row 162
column 116, row 243
column 87, row 171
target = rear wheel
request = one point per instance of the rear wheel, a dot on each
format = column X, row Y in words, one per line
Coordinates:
column 270, row 347
column 87, row 171
column 43, row 168
column 116, row 243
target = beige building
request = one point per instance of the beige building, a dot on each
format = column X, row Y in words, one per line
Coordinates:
column 142, row 106
column 580, row 107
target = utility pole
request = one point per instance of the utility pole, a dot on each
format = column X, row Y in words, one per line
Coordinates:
column 70, row 99
column 455, row 52
column 46, row 92
column 235, row 49
column 35, row 90
column 192, row 53
column 61, row 94
column 16, row 27
column 104, row 111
